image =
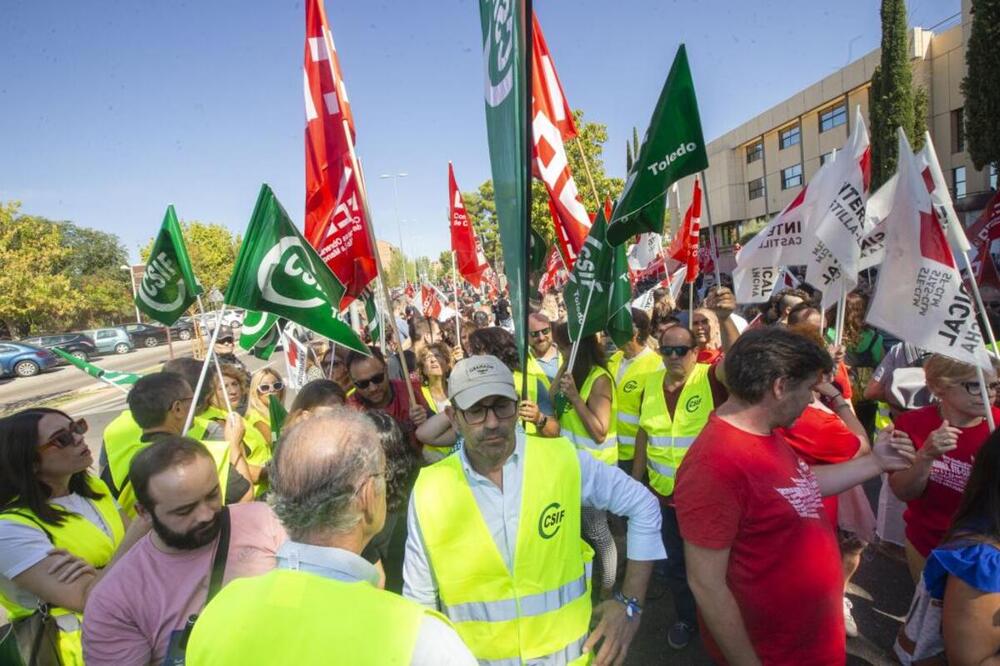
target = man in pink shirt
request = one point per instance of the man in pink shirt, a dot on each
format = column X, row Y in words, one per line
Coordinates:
column 163, row 580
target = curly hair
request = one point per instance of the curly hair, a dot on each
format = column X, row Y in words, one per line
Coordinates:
column 401, row 463
column 495, row 341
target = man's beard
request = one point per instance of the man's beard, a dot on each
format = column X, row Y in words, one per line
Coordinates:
column 196, row 538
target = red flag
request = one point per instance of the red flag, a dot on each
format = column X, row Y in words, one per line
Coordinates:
column 554, row 276
column 334, row 223
column 684, row 247
column 984, row 231
column 552, row 124
column 470, row 260
column 432, row 304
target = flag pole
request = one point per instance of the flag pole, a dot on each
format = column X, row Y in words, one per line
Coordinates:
column 204, row 371
column 218, row 368
column 711, row 233
column 979, row 300
column 528, row 145
column 576, row 343
column 690, row 303
column 838, row 335
column 981, row 376
column 458, row 305
column 586, row 167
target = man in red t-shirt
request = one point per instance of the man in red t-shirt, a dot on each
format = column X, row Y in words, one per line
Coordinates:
column 374, row 390
column 761, row 556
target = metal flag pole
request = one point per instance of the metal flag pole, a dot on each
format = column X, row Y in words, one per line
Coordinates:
column 711, row 232
column 576, row 343
column 218, row 368
column 527, row 134
column 984, row 394
column 838, row 334
column 979, row 301
column 201, row 376
column 458, row 306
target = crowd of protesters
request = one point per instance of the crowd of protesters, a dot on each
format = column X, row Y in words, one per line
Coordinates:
column 436, row 501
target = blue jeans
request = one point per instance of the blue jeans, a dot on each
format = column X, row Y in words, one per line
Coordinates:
column 676, row 573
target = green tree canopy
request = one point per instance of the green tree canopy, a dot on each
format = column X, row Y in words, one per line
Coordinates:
column 982, row 95
column 212, row 248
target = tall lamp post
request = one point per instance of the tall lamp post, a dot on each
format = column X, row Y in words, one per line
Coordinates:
column 395, row 207
column 135, row 294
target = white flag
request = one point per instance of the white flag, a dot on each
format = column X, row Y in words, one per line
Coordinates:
column 647, row 249
column 920, row 297
column 930, row 171
column 877, row 209
column 296, row 358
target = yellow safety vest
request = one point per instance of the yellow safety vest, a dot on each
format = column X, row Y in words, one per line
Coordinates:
column 260, row 449
column 293, row 617
column 668, row 439
column 83, row 539
column 122, row 440
column 535, row 375
column 883, row 416
column 574, row 430
column 629, row 393
column 431, row 405
column 539, row 611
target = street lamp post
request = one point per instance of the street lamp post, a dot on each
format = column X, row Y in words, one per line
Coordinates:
column 395, row 207
column 135, row 293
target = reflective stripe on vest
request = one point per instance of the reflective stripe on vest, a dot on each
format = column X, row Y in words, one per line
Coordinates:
column 574, row 430
column 562, row 657
column 629, row 393
column 81, row 538
column 539, row 610
column 284, row 618
column 669, row 439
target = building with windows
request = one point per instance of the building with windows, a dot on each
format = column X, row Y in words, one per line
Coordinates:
column 756, row 169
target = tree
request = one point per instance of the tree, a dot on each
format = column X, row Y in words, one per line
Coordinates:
column 892, row 101
column 212, row 248
column 37, row 296
column 446, row 261
column 982, row 94
column 480, row 207
column 94, row 267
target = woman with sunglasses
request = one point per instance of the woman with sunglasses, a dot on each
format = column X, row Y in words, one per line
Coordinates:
column 585, row 406
column 947, row 436
column 59, row 526
column 264, row 384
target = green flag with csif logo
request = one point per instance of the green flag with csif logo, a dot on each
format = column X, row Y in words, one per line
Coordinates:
column 168, row 287
column 278, row 272
column 259, row 335
column 590, row 287
column 504, row 63
column 672, row 149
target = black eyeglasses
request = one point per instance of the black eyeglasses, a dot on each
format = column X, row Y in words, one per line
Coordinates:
column 972, row 388
column 267, row 388
column 540, row 332
column 228, row 340
column 674, row 350
column 502, row 410
column 66, row 438
column 375, row 379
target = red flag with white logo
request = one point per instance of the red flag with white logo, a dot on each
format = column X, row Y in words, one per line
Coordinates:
column 334, row 223
column 552, row 124
column 555, row 274
column 925, row 302
column 431, row 302
column 470, row 259
column 684, row 246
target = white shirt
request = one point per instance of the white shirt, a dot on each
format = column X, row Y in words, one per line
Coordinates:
column 602, row 486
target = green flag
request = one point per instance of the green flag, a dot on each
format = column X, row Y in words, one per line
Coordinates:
column 539, row 252
column 110, row 376
column 278, row 413
column 258, row 335
column 372, row 315
column 620, row 304
column 672, row 148
column 278, row 272
column 168, row 287
column 504, row 56
column 591, row 280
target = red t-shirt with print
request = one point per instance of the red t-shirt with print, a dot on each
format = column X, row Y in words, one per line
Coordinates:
column 929, row 516
column 820, row 437
column 752, row 494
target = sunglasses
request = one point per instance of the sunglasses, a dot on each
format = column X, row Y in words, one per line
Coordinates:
column 267, row 388
column 539, row 333
column 674, row 350
column 375, row 379
column 228, row 340
column 66, row 438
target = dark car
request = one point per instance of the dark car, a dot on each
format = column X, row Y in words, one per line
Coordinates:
column 183, row 329
column 22, row 360
column 144, row 335
column 79, row 345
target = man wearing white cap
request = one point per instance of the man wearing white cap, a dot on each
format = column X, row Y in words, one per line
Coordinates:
column 494, row 534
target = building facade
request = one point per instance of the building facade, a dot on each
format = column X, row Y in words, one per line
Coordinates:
column 756, row 169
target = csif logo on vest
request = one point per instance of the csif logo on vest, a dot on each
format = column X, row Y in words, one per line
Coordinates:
column 285, row 276
column 161, row 277
column 551, row 520
column 498, row 51
column 693, row 403
column 630, row 386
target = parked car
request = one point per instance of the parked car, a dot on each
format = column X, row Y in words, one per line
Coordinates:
column 78, row 344
column 110, row 340
column 183, row 329
column 145, row 335
column 24, row 360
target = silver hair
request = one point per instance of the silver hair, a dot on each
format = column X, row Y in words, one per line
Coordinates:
column 318, row 467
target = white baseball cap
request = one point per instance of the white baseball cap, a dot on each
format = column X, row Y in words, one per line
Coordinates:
column 478, row 377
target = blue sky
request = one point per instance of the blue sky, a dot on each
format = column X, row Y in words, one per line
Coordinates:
column 110, row 110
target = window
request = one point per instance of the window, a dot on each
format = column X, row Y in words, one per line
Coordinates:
column 835, row 116
column 958, row 182
column 791, row 177
column 755, row 188
column 957, row 130
column 993, row 176
column 755, row 151
column 102, row 335
column 824, row 157
column 789, row 137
